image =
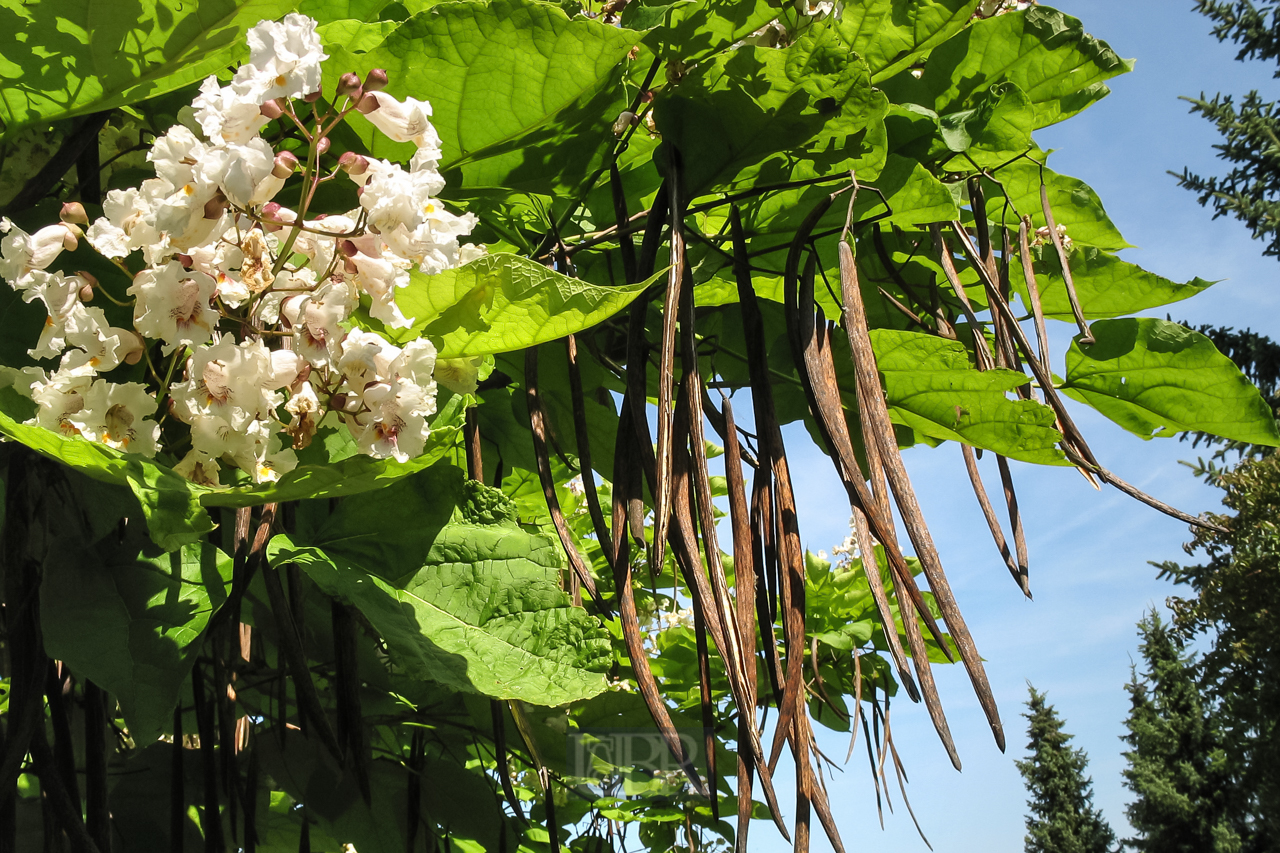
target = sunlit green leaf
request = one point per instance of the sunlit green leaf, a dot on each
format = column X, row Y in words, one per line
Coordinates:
column 501, row 303
column 1046, row 53
column 1157, row 378
column 890, row 35
column 61, row 58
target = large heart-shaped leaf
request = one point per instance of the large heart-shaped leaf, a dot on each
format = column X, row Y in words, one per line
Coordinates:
column 501, row 303
column 61, row 58
column 1047, row 54
column 1157, row 378
column 891, row 35
column 484, row 615
column 1106, row 286
column 492, row 71
column 933, row 388
column 129, row 617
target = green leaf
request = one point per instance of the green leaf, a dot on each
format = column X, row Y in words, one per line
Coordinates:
column 390, row 530
column 1076, row 207
column 1154, row 378
column 688, row 31
column 997, row 129
column 175, row 507
column 763, row 115
column 1046, row 53
column 61, row 58
column 129, row 617
column 501, row 303
column 492, row 71
column 355, row 36
column 1106, row 285
column 891, row 35
column 484, row 615
column 933, row 388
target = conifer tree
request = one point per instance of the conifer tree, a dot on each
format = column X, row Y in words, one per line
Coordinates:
column 1186, row 799
column 1062, row 819
column 1250, row 191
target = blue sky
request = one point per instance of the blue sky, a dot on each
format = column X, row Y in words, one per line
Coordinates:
column 1089, row 550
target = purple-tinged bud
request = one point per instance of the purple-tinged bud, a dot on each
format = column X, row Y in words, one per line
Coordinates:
column 88, row 277
column 271, row 109
column 347, row 83
column 213, row 207
column 73, row 214
column 270, row 215
column 322, row 145
column 338, row 402
column 69, row 239
column 375, row 80
column 86, row 293
column 184, row 259
column 353, row 163
column 368, row 103
column 284, row 164
column 350, row 266
column 312, row 97
column 347, row 248
column 304, row 373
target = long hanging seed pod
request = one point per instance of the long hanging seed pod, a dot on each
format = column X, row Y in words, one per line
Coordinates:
column 211, row 822
column 913, row 518
column 906, row 604
column 623, row 487
column 97, row 816
column 744, row 587
column 538, row 427
column 347, row 686
column 989, row 513
column 666, row 373
column 66, row 811
column 765, row 562
column 1086, row 336
column 295, row 657
column 177, row 786
column 1033, row 290
column 57, row 684
column 584, row 449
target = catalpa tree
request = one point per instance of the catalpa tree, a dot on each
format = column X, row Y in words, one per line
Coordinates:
column 363, row 361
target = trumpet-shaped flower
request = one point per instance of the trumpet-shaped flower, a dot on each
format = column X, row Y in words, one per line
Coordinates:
column 173, row 305
column 116, row 415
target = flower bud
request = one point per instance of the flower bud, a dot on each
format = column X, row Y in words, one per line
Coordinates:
column 271, row 109
column 304, row 373
column 347, row 249
column 375, row 80
column 284, row 165
column 69, row 241
column 73, row 214
column 339, row 402
column 623, row 122
column 353, row 163
column 322, row 145
column 213, row 207
column 86, row 293
column 312, row 97
column 348, row 83
column 368, row 103
column 184, row 259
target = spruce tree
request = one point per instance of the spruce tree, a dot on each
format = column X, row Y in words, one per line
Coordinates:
column 1250, row 191
column 1186, row 797
column 1062, row 819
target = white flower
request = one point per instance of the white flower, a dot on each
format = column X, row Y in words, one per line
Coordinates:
column 406, row 121
column 20, row 252
column 60, row 397
column 234, row 383
column 199, row 467
column 366, row 357
column 317, row 322
column 116, row 416
column 284, row 59
column 243, row 172
column 173, row 305
column 395, row 426
column 227, row 114
column 379, row 277
column 100, row 346
column 128, row 223
column 61, row 297
column 394, row 197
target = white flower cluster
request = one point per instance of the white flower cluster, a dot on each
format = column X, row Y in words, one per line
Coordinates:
column 250, row 301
